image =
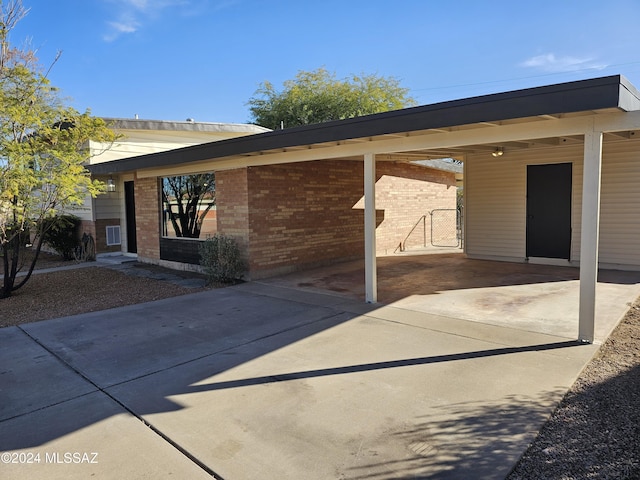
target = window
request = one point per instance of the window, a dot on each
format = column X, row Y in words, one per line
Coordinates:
column 188, row 206
column 113, row 235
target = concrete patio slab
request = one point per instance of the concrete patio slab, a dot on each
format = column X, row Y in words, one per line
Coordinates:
column 535, row 298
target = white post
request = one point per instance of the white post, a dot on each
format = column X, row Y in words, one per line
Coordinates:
column 370, row 272
column 589, row 234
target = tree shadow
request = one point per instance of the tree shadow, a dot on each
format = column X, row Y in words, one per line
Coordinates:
column 466, row 440
column 592, row 434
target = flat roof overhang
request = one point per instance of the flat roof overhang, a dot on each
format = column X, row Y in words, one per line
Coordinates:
column 429, row 131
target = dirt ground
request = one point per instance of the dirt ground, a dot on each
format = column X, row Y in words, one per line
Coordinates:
column 593, row 433
column 70, row 292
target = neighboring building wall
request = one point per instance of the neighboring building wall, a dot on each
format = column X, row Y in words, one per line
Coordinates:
column 148, row 210
column 495, row 202
column 210, row 224
column 141, row 137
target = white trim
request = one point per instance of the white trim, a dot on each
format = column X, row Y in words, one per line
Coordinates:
column 558, row 262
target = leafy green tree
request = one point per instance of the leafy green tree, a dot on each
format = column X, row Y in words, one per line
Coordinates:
column 43, row 147
column 318, row 96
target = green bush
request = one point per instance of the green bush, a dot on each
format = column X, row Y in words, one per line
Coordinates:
column 220, row 257
column 62, row 234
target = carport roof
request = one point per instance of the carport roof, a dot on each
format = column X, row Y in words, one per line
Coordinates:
column 605, row 94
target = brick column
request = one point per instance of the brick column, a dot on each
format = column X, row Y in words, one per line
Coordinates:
column 148, row 210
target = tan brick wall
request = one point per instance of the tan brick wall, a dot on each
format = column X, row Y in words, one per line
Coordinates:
column 101, row 235
column 408, row 194
column 148, row 210
column 88, row 227
column 311, row 213
column 302, row 214
column 233, row 206
column 294, row 216
column 98, row 231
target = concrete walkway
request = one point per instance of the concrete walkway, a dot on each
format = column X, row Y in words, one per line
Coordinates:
column 259, row 381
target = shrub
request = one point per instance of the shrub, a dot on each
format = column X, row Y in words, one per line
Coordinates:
column 61, row 234
column 220, row 257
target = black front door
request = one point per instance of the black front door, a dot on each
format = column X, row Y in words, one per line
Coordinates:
column 549, row 210
column 130, row 213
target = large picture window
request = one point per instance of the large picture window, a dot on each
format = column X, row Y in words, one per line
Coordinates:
column 188, row 203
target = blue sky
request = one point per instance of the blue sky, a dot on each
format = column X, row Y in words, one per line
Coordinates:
column 204, row 59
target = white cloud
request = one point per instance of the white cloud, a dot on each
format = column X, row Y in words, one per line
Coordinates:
column 549, row 62
column 130, row 15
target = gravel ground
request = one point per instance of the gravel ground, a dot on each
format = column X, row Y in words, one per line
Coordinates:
column 593, row 434
column 595, row 431
column 88, row 289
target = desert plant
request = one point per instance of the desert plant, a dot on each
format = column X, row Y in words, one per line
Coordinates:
column 220, row 257
column 61, row 234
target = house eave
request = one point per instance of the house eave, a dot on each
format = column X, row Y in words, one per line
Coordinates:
column 585, row 97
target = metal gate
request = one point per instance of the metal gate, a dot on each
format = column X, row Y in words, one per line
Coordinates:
column 446, row 227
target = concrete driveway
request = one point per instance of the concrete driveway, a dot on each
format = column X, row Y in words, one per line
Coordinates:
column 267, row 381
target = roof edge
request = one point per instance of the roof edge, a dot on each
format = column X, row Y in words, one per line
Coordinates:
column 186, row 126
column 571, row 97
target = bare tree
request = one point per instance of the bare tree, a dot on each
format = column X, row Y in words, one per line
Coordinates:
column 187, row 199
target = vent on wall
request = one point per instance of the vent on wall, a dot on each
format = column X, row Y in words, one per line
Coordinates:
column 113, row 235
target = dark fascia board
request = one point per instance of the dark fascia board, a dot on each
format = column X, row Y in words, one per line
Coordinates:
column 579, row 96
column 186, row 126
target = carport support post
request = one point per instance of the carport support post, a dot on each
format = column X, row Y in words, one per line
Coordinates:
column 370, row 272
column 589, row 234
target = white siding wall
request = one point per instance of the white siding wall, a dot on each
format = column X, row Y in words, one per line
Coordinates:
column 109, row 204
column 142, row 142
column 84, row 211
column 620, row 205
column 495, row 191
column 496, row 204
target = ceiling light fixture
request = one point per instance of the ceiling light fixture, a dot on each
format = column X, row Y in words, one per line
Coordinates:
column 498, row 152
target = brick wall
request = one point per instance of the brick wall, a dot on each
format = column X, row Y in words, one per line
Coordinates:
column 408, row 194
column 302, row 214
column 232, row 207
column 98, row 231
column 294, row 216
column 101, row 235
column 311, row 213
column 148, row 209
column 88, row 227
